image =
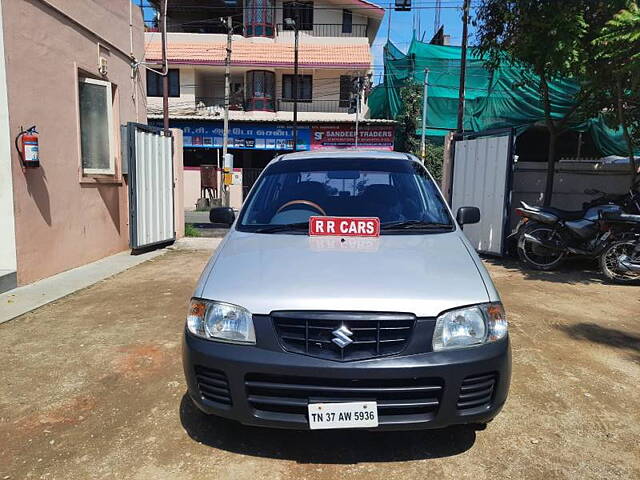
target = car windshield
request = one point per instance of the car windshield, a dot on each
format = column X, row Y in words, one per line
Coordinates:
column 399, row 192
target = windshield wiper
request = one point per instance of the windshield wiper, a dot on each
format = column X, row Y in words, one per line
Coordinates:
column 415, row 224
column 286, row 227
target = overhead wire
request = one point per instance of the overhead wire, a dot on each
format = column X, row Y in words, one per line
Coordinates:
column 437, row 5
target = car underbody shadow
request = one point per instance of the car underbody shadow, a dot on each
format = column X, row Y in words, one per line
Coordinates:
column 328, row 447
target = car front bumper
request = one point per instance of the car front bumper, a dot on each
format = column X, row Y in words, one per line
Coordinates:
column 270, row 387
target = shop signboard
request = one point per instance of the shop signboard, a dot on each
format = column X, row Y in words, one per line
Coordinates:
column 375, row 137
column 247, row 136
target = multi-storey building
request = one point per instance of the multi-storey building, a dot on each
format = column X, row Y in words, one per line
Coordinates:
column 335, row 38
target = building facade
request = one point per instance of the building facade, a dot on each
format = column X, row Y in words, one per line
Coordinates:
column 334, row 61
column 66, row 67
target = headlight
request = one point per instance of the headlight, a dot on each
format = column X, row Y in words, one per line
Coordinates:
column 220, row 321
column 469, row 326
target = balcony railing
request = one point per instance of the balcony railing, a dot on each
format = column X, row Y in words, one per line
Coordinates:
column 215, row 105
column 323, row 106
column 315, row 30
column 327, row 30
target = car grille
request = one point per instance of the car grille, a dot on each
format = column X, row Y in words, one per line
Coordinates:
column 399, row 400
column 372, row 335
column 476, row 391
column 213, row 385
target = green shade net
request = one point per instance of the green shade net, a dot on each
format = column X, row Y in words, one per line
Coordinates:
column 506, row 97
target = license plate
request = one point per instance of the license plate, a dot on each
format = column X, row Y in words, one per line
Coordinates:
column 343, row 415
column 344, row 226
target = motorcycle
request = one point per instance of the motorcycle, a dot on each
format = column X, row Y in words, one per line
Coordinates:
column 620, row 260
column 547, row 235
column 630, row 201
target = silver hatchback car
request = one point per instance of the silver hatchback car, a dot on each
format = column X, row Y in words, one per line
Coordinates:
column 345, row 295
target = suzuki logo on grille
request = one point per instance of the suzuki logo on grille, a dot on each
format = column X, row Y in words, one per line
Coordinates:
column 342, row 336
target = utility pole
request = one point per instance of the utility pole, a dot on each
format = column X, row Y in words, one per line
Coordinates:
column 295, row 79
column 225, row 135
column 463, row 65
column 227, row 87
column 423, row 140
column 357, row 115
column 165, row 67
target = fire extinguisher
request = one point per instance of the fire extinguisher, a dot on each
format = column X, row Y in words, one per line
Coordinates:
column 27, row 146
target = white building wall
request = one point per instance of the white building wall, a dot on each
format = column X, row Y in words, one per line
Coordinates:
column 210, row 82
column 187, row 98
column 326, row 82
column 7, row 219
column 205, row 85
column 323, row 13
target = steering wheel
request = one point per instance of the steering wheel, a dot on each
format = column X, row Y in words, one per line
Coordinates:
column 309, row 203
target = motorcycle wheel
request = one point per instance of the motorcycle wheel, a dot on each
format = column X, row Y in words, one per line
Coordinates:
column 610, row 267
column 537, row 257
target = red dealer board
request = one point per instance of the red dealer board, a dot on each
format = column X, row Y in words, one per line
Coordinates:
column 345, row 226
column 343, row 136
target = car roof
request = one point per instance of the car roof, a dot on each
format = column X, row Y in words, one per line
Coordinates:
column 346, row 154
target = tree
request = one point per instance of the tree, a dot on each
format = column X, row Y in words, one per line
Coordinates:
column 612, row 88
column 539, row 36
column 411, row 110
column 408, row 122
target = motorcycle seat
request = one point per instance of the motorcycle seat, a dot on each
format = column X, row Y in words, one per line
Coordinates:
column 566, row 214
column 562, row 214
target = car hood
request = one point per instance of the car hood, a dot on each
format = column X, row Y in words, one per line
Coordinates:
column 419, row 274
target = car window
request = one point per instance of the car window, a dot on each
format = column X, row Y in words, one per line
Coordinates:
column 392, row 190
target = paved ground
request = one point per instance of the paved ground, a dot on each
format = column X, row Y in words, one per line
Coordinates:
column 93, row 388
column 191, row 216
column 200, row 220
column 29, row 297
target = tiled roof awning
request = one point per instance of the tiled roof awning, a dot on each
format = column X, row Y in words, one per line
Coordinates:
column 262, row 54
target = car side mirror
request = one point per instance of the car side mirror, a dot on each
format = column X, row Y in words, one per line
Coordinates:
column 468, row 215
column 223, row 215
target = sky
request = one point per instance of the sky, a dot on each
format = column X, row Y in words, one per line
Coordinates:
column 402, row 25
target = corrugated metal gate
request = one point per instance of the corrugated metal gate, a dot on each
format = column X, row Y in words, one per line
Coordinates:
column 482, row 172
column 150, row 169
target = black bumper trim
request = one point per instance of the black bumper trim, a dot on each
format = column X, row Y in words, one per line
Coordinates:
column 436, row 405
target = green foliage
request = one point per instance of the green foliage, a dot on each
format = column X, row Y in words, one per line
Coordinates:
column 616, row 74
column 612, row 82
column 538, row 34
column 559, row 39
column 191, row 231
column 433, row 160
column 620, row 40
column 409, row 120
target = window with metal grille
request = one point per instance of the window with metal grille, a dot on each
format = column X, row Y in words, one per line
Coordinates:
column 260, row 90
column 347, row 21
column 305, row 88
column 346, row 87
column 154, row 83
column 301, row 12
column 259, row 18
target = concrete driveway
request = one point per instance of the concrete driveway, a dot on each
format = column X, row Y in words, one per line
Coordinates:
column 92, row 387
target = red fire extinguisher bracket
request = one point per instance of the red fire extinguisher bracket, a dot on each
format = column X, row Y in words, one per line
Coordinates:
column 28, row 148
